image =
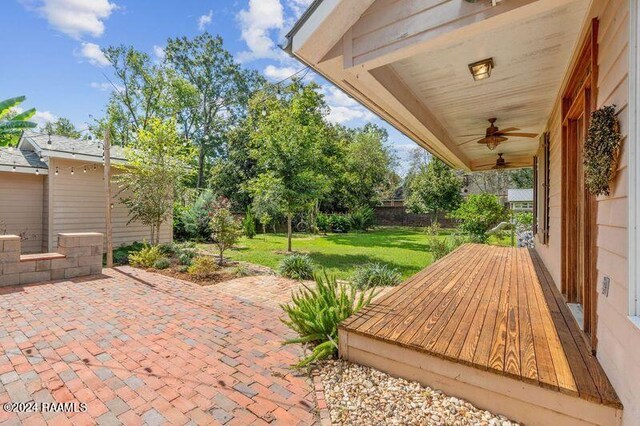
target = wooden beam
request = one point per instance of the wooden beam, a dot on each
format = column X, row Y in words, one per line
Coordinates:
column 108, row 200
column 384, row 37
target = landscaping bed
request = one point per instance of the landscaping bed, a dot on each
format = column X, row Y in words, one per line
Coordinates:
column 358, row 395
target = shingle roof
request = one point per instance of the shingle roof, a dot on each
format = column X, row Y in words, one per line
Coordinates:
column 20, row 158
column 66, row 145
column 520, row 195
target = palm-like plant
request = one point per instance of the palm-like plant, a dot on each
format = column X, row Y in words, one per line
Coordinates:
column 12, row 125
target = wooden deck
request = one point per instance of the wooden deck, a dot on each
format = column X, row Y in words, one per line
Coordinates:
column 495, row 309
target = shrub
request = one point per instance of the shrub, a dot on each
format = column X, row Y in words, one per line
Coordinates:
column 186, row 258
column 361, row 218
column 162, row 263
column 315, row 312
column 121, row 254
column 433, row 230
column 297, row 267
column 196, row 218
column 179, row 231
column 249, row 224
column 523, row 220
column 225, row 228
column 185, row 252
column 202, row 267
column 168, row 249
column 146, row 256
column 479, row 213
column 440, row 247
column 323, row 222
column 375, row 275
column 339, row 223
column 241, row 271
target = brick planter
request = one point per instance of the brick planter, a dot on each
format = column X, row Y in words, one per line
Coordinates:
column 77, row 255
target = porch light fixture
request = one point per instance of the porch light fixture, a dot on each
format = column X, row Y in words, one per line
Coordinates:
column 481, row 69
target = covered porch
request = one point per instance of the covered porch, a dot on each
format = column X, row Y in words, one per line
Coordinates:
column 487, row 324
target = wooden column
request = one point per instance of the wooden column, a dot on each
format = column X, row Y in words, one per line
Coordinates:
column 107, row 191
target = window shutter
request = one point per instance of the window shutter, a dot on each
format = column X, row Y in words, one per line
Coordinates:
column 546, row 171
column 536, row 183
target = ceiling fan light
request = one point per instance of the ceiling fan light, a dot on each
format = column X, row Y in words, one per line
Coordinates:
column 493, row 144
column 482, row 69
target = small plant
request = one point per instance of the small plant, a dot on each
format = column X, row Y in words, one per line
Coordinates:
column 297, row 267
column 249, row 224
column 202, row 267
column 162, row 263
column 146, row 256
column 439, row 247
column 186, row 258
column 168, row 249
column 315, row 313
column 375, row 275
column 339, row 223
column 434, row 229
column 225, row 228
column 241, row 271
column 323, row 222
column 362, row 218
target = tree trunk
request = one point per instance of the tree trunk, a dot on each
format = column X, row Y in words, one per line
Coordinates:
column 221, row 258
column 289, row 220
column 201, row 157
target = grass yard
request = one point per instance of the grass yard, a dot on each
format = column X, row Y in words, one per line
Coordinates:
column 402, row 248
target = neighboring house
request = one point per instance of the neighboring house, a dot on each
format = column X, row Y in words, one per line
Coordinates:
column 520, row 200
column 437, row 71
column 52, row 185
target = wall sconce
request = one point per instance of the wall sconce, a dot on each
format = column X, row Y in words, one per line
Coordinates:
column 481, row 69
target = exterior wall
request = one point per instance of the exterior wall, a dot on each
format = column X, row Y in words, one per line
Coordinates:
column 77, row 205
column 21, row 201
column 618, row 337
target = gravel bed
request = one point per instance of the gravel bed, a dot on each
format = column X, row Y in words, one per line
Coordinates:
column 358, row 395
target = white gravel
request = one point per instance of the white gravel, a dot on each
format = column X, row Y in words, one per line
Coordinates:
column 358, row 395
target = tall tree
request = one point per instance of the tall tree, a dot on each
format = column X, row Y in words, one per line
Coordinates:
column 522, row 178
column 434, row 188
column 289, row 132
column 142, row 90
column 61, row 127
column 157, row 165
column 222, row 86
column 13, row 123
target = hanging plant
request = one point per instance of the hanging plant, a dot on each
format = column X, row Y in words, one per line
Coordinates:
column 601, row 150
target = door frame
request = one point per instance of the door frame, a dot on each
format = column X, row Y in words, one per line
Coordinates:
column 580, row 96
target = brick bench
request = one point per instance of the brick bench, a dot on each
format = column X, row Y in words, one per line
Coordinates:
column 78, row 254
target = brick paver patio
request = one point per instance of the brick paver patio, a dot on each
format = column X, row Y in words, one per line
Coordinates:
column 141, row 348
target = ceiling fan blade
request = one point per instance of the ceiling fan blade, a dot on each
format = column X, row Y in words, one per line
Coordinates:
column 520, row 135
column 472, row 134
column 471, row 140
column 510, row 129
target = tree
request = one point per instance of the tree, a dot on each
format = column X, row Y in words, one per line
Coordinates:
column 157, row 165
column 286, row 144
column 225, row 228
column 434, row 188
column 143, row 90
column 222, row 89
column 367, row 168
column 479, row 213
column 61, row 127
column 13, row 123
column 522, row 178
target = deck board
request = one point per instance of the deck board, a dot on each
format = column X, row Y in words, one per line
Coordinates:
column 492, row 308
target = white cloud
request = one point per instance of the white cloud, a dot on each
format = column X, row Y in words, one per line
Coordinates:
column 43, row 117
column 278, row 73
column 158, row 52
column 343, row 108
column 75, row 18
column 92, row 52
column 205, row 20
column 299, row 6
column 256, row 25
column 103, row 87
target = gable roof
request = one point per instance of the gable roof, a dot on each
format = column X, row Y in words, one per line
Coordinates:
column 22, row 160
column 520, row 195
column 63, row 147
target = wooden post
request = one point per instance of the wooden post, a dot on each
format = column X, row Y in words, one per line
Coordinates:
column 107, row 191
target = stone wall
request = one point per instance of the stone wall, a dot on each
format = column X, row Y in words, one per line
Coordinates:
column 78, row 255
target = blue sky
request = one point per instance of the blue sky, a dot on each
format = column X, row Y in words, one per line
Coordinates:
column 51, row 49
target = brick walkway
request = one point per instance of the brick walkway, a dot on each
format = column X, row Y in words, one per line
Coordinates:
column 140, row 348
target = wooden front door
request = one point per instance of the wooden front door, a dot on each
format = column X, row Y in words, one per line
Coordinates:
column 579, row 207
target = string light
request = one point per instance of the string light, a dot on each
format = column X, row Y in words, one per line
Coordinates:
column 56, row 171
column 72, row 172
column 37, row 171
column 14, row 167
column 84, row 170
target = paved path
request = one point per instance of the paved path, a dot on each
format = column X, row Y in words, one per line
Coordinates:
column 141, row 348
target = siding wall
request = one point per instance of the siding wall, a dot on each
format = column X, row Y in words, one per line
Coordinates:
column 21, row 208
column 618, row 337
column 78, row 206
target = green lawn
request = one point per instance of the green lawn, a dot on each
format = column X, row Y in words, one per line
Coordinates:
column 402, row 248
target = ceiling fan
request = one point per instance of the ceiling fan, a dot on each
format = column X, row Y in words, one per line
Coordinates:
column 501, row 163
column 493, row 136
